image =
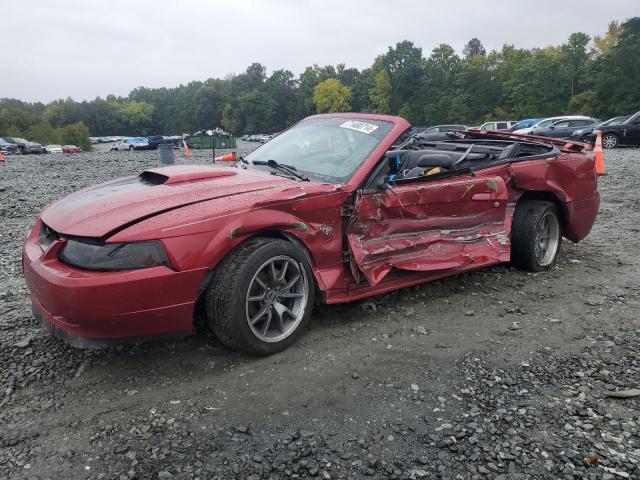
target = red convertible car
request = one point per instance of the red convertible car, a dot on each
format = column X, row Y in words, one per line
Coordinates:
column 71, row 149
column 337, row 208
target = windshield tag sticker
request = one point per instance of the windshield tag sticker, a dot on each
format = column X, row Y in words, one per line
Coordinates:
column 359, row 126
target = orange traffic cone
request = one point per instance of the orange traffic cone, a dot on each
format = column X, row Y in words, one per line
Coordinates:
column 598, row 155
column 1, row 157
column 187, row 152
column 229, row 157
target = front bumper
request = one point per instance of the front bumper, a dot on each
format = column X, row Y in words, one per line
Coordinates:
column 93, row 309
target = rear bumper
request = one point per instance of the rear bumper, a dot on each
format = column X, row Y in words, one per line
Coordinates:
column 101, row 308
column 581, row 217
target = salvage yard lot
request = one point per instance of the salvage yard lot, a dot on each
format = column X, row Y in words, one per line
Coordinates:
column 493, row 374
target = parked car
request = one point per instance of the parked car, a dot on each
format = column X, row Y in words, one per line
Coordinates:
column 338, row 214
column 626, row 133
column 24, row 146
column 153, row 141
column 546, row 122
column 564, row 128
column 444, row 128
column 53, row 149
column 8, row 148
column 175, row 140
column 71, row 149
column 497, row 125
column 524, row 123
column 131, row 143
column 584, row 134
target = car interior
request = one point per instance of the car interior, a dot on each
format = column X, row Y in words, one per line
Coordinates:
column 423, row 159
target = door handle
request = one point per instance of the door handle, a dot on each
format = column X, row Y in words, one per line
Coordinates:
column 481, row 196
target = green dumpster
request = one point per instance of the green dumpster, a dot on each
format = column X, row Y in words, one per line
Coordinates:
column 211, row 141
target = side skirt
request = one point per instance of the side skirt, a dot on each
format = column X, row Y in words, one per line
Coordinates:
column 396, row 281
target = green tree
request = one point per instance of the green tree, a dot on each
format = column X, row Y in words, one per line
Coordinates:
column 605, row 43
column 42, row 132
column 577, row 58
column 380, row 94
column 76, row 134
column 405, row 65
column 618, row 80
column 474, row 48
column 331, row 96
column 136, row 116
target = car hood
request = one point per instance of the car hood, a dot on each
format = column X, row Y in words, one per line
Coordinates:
column 103, row 210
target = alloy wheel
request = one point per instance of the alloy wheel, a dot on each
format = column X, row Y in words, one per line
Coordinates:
column 277, row 299
column 547, row 238
column 609, row 141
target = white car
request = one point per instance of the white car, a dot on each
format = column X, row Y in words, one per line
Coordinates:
column 132, row 143
column 548, row 121
column 497, row 125
column 53, row 148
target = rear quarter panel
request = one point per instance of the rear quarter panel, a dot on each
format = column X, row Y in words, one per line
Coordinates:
column 571, row 178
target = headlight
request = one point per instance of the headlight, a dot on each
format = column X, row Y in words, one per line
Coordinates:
column 94, row 255
column 46, row 236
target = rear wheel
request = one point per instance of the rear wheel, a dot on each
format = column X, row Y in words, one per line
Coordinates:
column 536, row 235
column 610, row 140
column 261, row 296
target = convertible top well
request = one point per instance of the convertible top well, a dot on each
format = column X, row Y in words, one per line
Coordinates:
column 433, row 156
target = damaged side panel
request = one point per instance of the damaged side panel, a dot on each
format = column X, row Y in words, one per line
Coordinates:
column 429, row 226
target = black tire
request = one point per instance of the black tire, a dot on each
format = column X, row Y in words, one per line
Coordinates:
column 610, row 140
column 227, row 296
column 524, row 235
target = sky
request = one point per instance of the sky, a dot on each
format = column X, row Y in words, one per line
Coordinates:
column 88, row 48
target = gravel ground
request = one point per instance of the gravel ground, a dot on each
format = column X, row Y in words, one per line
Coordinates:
column 494, row 374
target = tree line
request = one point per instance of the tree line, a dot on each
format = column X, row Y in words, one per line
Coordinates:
column 597, row 76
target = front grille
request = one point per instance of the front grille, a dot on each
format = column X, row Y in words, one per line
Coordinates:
column 47, row 235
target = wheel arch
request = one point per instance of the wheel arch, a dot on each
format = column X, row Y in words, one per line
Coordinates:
column 542, row 195
column 612, row 133
column 199, row 313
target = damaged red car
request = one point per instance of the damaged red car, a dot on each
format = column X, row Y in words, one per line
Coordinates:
column 337, row 208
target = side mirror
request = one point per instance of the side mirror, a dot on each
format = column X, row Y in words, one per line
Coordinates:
column 552, row 127
column 394, row 161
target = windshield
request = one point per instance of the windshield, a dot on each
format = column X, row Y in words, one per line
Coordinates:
column 617, row 121
column 546, row 123
column 323, row 149
column 523, row 124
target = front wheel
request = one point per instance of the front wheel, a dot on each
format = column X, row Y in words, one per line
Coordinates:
column 536, row 235
column 609, row 140
column 261, row 296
